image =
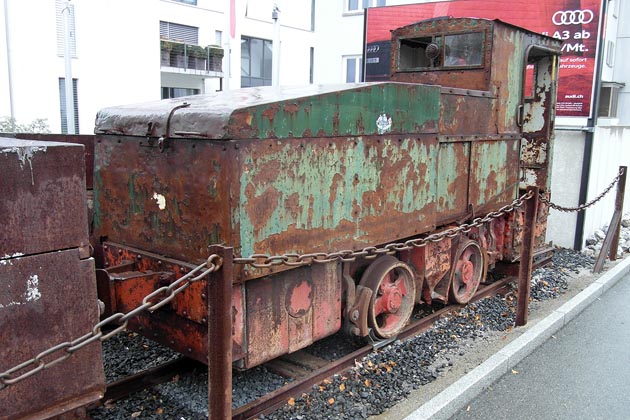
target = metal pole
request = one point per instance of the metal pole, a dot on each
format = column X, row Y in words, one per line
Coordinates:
column 526, row 258
column 275, row 59
column 611, row 241
column 9, row 67
column 619, row 199
column 67, row 53
column 219, row 294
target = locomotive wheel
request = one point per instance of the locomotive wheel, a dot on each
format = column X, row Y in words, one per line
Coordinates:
column 394, row 289
column 470, row 266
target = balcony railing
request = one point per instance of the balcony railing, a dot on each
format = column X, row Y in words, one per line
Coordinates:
column 193, row 57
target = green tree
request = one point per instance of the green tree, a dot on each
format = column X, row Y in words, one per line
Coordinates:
column 10, row 125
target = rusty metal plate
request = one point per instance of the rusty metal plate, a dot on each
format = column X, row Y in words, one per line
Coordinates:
column 43, row 206
column 330, row 194
column 87, row 140
column 48, row 299
column 494, row 174
column 174, row 204
column 452, row 182
column 290, row 310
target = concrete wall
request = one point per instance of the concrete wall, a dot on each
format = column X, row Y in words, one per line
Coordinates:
column 611, row 149
column 566, row 172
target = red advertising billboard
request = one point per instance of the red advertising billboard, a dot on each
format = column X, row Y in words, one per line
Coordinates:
column 575, row 22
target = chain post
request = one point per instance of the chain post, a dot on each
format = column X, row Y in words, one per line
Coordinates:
column 527, row 256
column 611, row 241
column 619, row 199
column 219, row 301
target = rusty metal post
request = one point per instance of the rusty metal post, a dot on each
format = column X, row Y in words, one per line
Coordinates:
column 621, row 189
column 526, row 259
column 219, row 294
column 611, row 241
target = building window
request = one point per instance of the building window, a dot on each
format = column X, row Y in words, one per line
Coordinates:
column 608, row 98
column 181, row 33
column 63, row 108
column 173, row 92
column 256, row 56
column 61, row 31
column 353, row 69
column 356, row 6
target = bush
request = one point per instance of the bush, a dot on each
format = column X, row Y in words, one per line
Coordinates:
column 10, row 125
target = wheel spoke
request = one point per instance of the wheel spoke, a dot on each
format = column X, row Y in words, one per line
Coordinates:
column 379, row 306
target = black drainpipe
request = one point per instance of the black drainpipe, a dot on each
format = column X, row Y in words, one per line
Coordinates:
column 590, row 131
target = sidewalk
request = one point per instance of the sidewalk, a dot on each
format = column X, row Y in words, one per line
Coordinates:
column 582, row 372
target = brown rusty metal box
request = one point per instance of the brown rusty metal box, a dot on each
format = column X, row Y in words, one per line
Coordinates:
column 47, row 279
column 43, row 197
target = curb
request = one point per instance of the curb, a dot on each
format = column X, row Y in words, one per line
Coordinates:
column 457, row 395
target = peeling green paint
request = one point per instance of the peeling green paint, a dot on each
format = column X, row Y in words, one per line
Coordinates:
column 333, row 184
column 413, row 109
column 514, row 77
column 490, row 173
column 449, row 169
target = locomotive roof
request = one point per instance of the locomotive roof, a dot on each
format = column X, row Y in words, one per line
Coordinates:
column 270, row 112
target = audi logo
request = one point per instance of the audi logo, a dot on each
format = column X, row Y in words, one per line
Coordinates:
column 572, row 17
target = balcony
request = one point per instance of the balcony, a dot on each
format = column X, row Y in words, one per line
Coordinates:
column 181, row 58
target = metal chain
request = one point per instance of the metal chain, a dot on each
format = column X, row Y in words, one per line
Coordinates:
column 588, row 204
column 296, row 260
column 213, row 264
column 150, row 303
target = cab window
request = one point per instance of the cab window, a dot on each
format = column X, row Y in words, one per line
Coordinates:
column 441, row 51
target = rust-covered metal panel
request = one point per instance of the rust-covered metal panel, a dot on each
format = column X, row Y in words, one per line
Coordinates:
column 452, row 184
column 48, row 299
column 343, row 193
column 291, row 310
column 174, row 204
column 494, row 174
column 87, row 140
column 466, row 112
column 43, row 206
column 131, row 274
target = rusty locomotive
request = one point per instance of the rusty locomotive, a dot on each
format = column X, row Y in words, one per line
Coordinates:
column 308, row 186
column 290, row 171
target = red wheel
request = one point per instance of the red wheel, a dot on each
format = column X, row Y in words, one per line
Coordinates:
column 394, row 289
column 469, row 268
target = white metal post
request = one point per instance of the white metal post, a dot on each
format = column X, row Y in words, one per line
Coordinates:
column 67, row 53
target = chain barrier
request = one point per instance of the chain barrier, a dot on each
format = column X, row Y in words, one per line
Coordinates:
column 296, row 260
column 150, row 303
column 588, row 204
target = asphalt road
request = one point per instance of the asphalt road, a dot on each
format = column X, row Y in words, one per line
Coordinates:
column 582, row 372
